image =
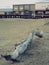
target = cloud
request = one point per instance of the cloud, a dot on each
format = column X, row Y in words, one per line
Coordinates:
column 25, row 1
column 44, row 0
column 9, row 3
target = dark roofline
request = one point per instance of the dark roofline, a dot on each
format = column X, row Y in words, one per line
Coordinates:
column 22, row 4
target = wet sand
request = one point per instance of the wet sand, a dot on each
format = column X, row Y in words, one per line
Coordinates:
column 13, row 31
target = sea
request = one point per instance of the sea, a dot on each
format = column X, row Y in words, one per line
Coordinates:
column 6, row 10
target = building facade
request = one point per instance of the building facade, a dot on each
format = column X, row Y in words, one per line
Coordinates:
column 42, row 6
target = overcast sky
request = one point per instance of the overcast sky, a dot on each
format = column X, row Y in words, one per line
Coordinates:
column 9, row 3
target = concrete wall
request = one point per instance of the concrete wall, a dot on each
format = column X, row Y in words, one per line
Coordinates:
column 24, row 7
column 32, row 7
column 15, row 7
column 42, row 5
